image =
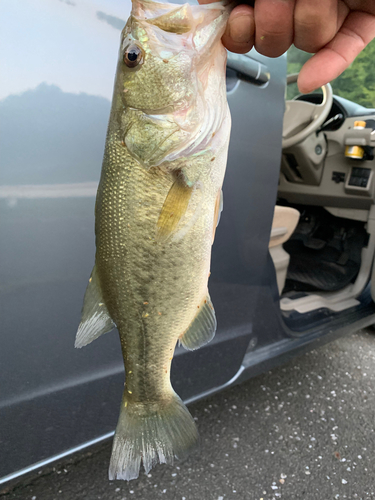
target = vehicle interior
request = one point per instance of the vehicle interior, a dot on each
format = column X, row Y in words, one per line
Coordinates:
column 323, row 234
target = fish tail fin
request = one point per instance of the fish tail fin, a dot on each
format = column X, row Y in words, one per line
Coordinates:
column 151, row 432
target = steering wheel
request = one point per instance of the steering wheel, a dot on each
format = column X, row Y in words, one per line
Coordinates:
column 302, row 118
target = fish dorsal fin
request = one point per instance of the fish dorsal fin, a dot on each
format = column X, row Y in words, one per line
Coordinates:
column 175, row 206
column 178, row 21
column 218, row 210
column 95, row 318
column 202, row 329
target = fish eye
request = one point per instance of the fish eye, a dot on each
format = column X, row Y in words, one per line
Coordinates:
column 133, row 56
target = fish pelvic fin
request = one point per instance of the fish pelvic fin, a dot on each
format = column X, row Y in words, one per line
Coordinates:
column 202, row 329
column 149, row 433
column 95, row 318
column 175, row 206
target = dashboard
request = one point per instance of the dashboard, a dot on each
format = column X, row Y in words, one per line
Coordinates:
column 337, row 110
column 319, row 171
column 340, row 106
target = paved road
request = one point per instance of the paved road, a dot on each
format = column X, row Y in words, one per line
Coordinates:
column 302, row 431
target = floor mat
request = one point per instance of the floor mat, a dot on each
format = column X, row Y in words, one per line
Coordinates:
column 325, row 251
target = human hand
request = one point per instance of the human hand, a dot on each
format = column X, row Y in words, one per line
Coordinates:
column 335, row 30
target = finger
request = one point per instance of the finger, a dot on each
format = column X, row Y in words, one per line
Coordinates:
column 356, row 32
column 273, row 26
column 239, row 34
column 315, row 23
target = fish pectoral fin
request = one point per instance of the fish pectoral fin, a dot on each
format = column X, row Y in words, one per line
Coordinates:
column 95, row 318
column 202, row 329
column 175, row 206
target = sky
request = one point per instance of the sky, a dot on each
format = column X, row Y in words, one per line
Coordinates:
column 70, row 43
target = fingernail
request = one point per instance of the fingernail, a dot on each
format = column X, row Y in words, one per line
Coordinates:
column 241, row 29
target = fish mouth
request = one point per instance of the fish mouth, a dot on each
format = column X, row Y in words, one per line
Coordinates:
column 177, row 18
column 197, row 26
column 166, row 111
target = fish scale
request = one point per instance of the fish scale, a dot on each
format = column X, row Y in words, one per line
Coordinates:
column 156, row 217
column 132, row 266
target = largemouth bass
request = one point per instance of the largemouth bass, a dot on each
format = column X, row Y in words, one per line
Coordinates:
column 157, row 208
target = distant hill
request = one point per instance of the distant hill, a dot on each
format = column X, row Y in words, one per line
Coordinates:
column 49, row 136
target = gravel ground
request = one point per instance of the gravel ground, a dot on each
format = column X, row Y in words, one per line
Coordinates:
column 302, row 431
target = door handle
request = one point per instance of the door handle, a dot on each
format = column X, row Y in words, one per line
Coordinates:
column 248, row 69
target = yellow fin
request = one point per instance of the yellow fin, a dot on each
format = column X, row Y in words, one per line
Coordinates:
column 175, row 206
column 177, row 21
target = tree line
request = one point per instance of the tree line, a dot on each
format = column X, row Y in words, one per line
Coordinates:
column 357, row 83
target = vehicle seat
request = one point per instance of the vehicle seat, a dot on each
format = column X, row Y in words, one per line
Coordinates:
column 285, row 220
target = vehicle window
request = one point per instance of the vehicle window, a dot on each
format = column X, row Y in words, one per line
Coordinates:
column 357, row 83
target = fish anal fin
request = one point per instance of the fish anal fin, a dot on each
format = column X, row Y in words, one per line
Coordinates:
column 174, row 208
column 95, row 320
column 202, row 329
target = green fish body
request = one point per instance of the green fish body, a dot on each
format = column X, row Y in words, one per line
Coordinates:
column 157, row 208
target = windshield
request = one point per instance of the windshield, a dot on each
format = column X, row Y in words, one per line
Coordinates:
column 357, row 83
